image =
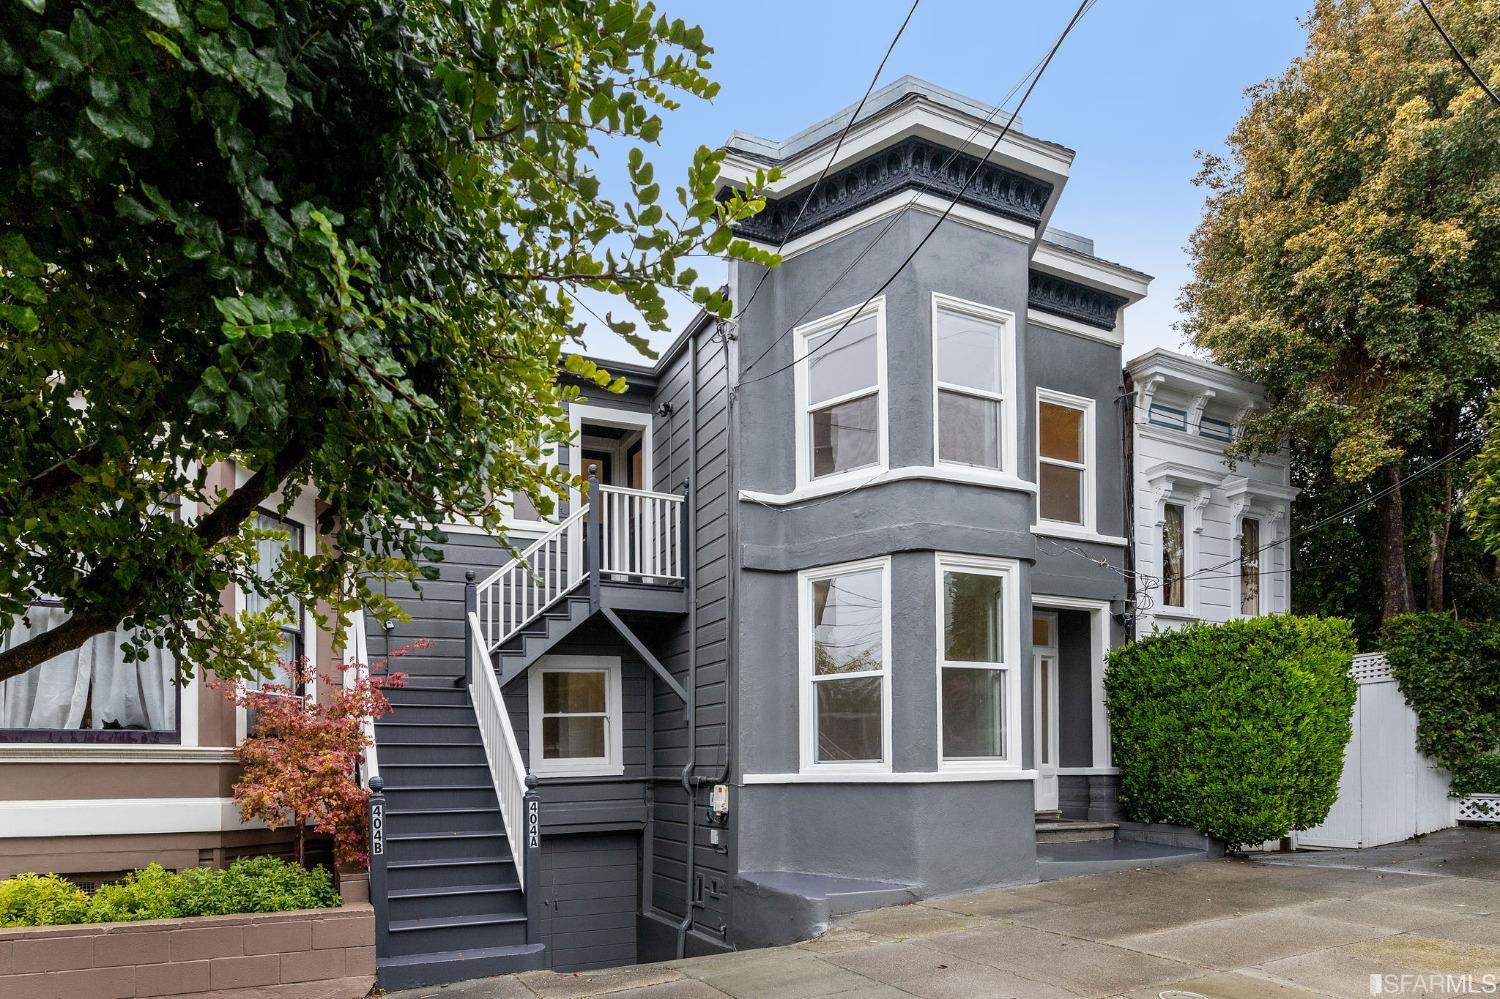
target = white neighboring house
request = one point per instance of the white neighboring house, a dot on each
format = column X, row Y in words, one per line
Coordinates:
column 1209, row 538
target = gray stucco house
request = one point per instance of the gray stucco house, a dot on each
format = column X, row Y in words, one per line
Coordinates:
column 830, row 630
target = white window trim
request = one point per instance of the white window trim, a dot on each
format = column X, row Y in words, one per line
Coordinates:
column 303, row 513
column 1006, row 396
column 807, row 715
column 1237, row 587
column 610, row 417
column 1089, row 498
column 1100, row 614
column 1189, row 608
column 876, row 308
column 610, row 765
column 1009, row 570
column 1050, row 649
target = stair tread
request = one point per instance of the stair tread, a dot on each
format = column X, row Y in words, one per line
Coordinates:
column 450, row 922
column 1074, row 825
column 412, row 766
column 436, row 787
column 448, row 862
column 498, row 888
column 444, row 835
column 448, row 724
column 470, row 810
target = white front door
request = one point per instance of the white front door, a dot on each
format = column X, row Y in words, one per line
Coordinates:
column 1044, row 707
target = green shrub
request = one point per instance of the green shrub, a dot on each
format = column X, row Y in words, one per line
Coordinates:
column 1481, row 775
column 41, row 900
column 254, row 884
column 1449, row 672
column 1236, row 729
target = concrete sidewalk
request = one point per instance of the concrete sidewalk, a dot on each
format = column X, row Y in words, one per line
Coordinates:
column 1306, row 925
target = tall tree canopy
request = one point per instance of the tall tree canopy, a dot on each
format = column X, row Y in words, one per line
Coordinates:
column 328, row 241
column 1349, row 259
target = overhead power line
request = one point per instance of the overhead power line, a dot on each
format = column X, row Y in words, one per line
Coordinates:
column 953, row 203
column 832, row 156
column 1459, row 55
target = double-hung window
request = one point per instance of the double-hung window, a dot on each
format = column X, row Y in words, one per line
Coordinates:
column 575, row 716
column 1249, row 567
column 1174, row 556
column 1065, row 457
column 840, row 374
column 845, row 637
column 972, row 349
column 269, row 551
column 977, row 650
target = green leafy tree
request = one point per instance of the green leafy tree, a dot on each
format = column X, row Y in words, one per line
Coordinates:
column 332, row 245
column 1349, row 259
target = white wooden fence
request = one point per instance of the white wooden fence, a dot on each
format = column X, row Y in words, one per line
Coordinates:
column 1389, row 792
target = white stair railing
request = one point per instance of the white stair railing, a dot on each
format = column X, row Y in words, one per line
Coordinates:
column 501, row 751
column 640, row 540
column 518, row 591
column 642, row 534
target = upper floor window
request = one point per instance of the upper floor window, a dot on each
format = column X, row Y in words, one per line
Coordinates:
column 1249, row 567
column 1163, row 415
column 841, row 405
column 1065, row 455
column 1215, row 429
column 845, row 629
column 972, row 350
column 1173, row 556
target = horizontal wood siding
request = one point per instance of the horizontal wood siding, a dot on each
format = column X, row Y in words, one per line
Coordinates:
column 436, row 607
column 710, row 513
column 591, row 886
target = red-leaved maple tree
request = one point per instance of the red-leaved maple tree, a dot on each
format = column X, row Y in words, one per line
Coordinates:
column 300, row 763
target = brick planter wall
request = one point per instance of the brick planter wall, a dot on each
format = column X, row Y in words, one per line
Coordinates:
column 305, row 954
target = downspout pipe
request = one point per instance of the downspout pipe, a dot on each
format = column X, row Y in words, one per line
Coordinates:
column 690, row 571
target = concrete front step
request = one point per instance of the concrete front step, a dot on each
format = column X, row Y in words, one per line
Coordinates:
column 1074, row 860
column 1075, row 831
column 453, row 966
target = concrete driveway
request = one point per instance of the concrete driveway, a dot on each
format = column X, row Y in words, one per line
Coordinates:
column 1300, row 925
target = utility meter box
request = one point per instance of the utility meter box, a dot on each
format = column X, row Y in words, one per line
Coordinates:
column 718, row 799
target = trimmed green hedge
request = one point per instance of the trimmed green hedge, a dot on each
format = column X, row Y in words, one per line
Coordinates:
column 254, row 884
column 1236, row 729
column 1449, row 672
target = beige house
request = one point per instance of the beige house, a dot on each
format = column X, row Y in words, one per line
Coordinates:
column 106, row 766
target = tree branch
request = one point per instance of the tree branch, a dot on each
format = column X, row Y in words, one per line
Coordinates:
column 218, row 524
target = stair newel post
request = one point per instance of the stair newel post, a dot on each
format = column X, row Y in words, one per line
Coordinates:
column 593, row 549
column 531, row 858
column 471, row 607
column 378, row 896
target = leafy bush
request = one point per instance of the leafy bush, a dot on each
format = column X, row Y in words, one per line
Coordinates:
column 41, row 900
column 255, row 884
column 1480, row 775
column 1236, row 729
column 1449, row 672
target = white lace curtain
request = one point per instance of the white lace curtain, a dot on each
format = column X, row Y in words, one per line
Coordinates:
column 90, row 687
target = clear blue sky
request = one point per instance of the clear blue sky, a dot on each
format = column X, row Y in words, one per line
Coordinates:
column 1136, row 88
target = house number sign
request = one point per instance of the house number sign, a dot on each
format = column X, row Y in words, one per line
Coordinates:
column 533, row 827
column 377, row 828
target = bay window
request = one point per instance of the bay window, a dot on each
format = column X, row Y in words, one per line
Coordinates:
column 1065, row 446
column 845, row 637
column 972, row 347
column 977, row 649
column 840, row 374
column 90, row 694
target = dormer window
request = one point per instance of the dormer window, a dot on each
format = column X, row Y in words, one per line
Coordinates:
column 839, row 385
